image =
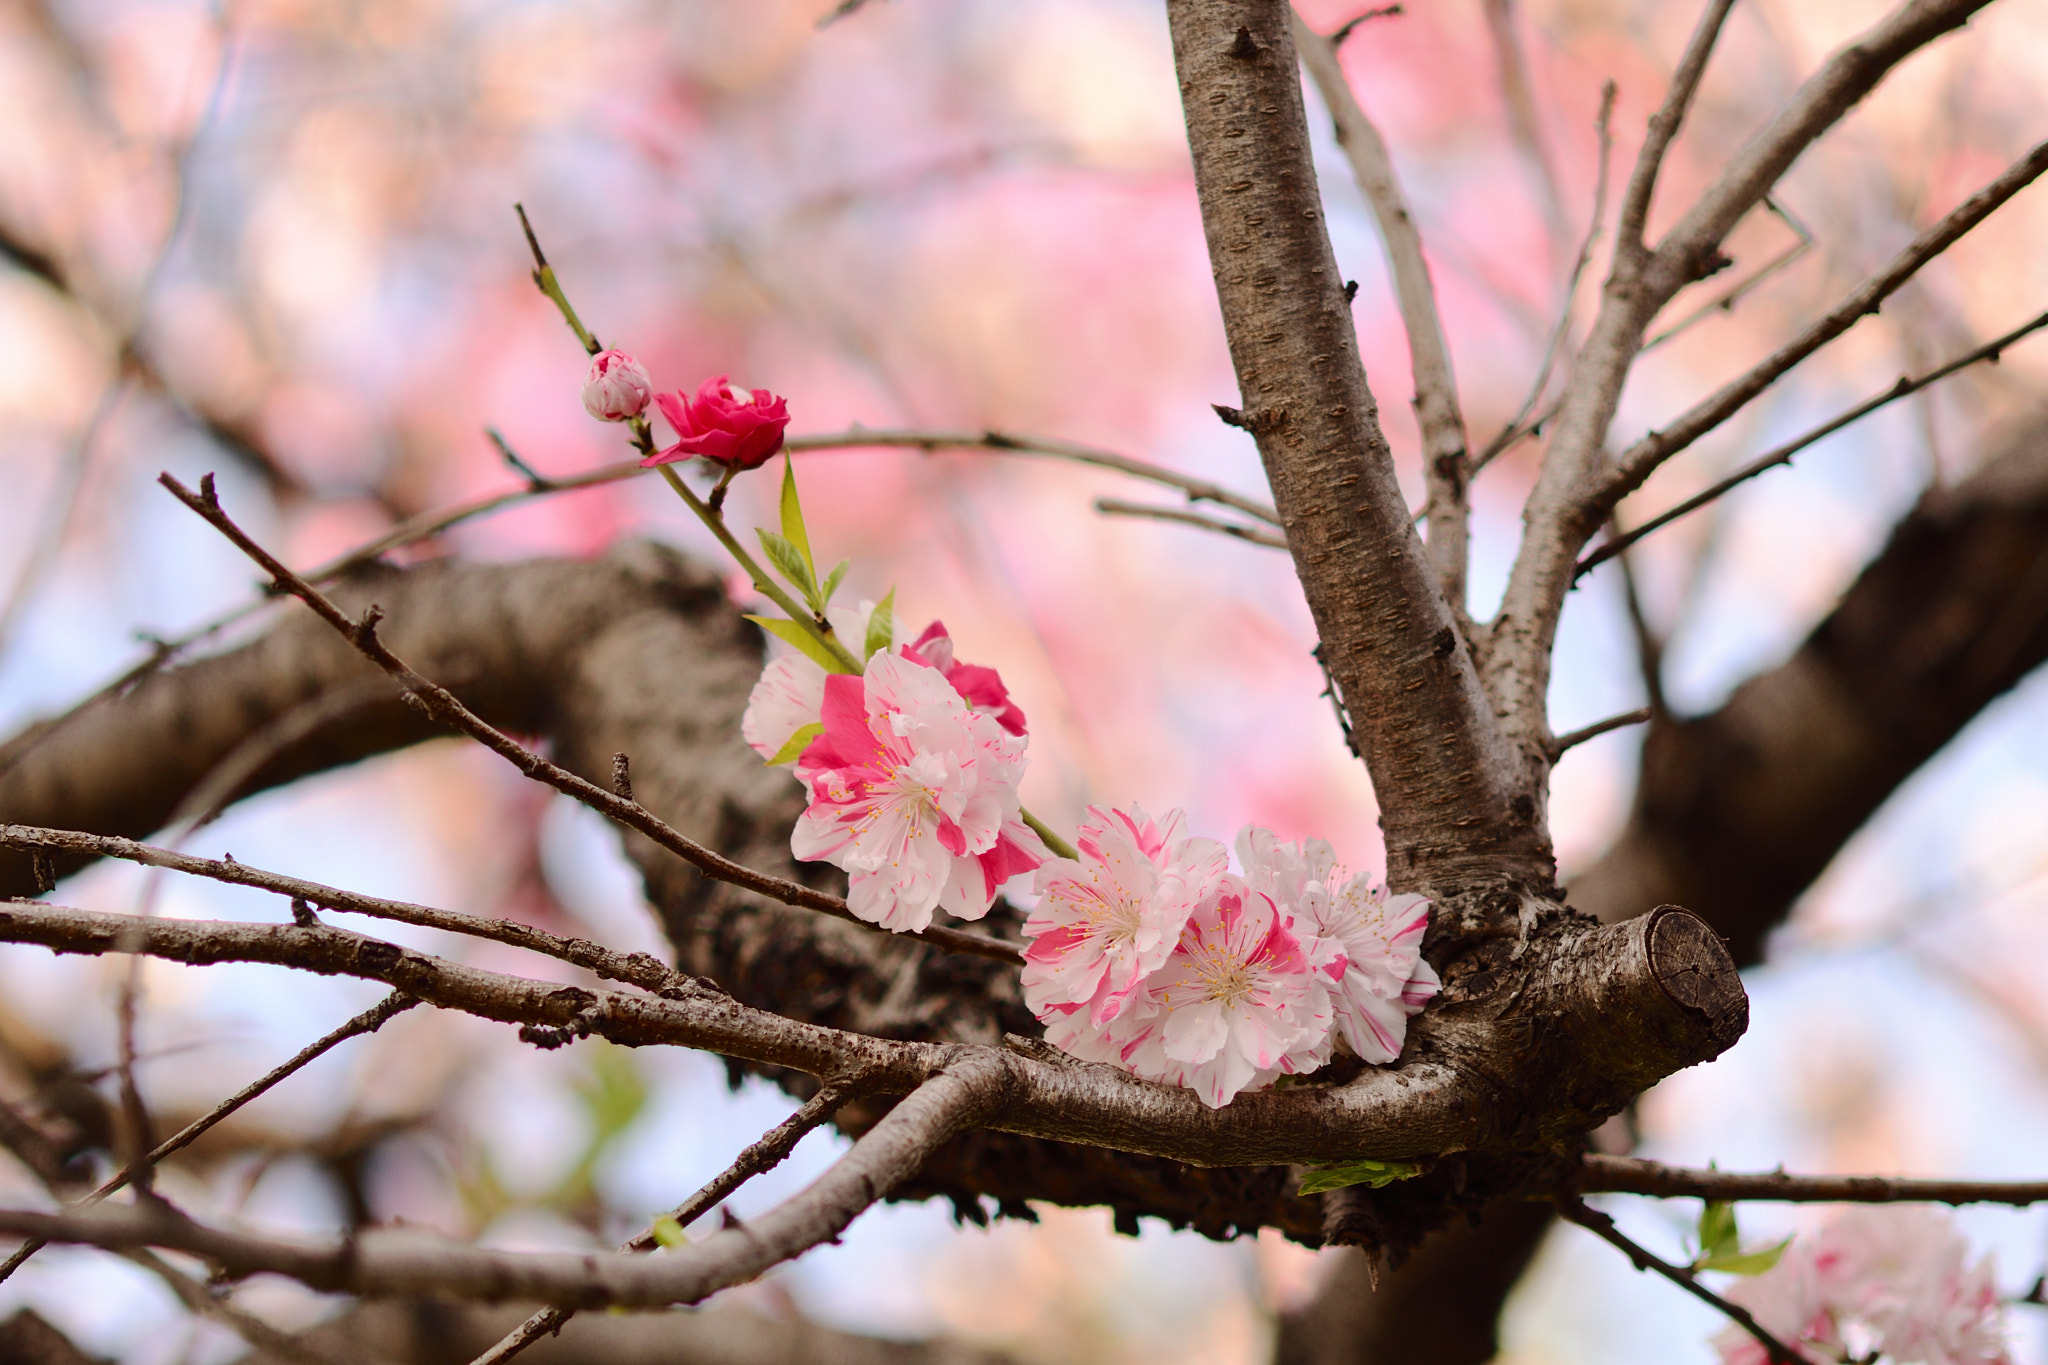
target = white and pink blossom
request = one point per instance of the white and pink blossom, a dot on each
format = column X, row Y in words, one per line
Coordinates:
column 1109, row 920
column 618, row 387
column 980, row 686
column 1896, row 1280
column 791, row 692
column 914, row 795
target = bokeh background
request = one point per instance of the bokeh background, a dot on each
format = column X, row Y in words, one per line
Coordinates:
column 274, row 239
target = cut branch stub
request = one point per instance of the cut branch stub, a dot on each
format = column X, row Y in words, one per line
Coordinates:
column 1460, row 808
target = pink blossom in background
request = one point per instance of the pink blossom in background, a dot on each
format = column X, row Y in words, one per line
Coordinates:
column 982, row 687
column 914, row 795
column 725, row 430
column 1232, row 1002
column 1896, row 1279
column 1105, row 923
column 791, row 692
column 618, row 387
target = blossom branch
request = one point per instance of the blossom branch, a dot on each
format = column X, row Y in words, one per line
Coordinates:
column 442, row 705
column 1782, row 455
column 1601, row 1226
column 1117, row 507
column 409, row 1261
column 764, row 1154
column 1445, row 460
column 1634, row 1175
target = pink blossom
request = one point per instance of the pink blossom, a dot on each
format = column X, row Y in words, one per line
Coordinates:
column 914, row 795
column 1231, row 1003
column 982, row 687
column 618, row 387
column 1106, row 922
column 791, row 692
column 1894, row 1277
column 723, row 429
column 1364, row 947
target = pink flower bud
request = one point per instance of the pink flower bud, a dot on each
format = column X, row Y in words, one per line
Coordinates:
column 721, row 428
column 618, row 387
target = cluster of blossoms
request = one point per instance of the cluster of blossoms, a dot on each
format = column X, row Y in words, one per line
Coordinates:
column 737, row 433
column 1892, row 1281
column 1149, row 953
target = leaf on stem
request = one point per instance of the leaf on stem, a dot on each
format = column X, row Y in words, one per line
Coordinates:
column 794, row 747
column 832, row 582
column 1721, row 1244
column 790, row 563
column 881, row 626
column 814, row 649
column 669, row 1233
column 793, row 518
column 1371, row 1174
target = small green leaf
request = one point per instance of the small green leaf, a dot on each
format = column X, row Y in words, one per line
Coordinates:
column 668, row 1233
column 1718, row 1233
column 1371, row 1174
column 794, row 747
column 881, row 626
column 832, row 582
column 790, row 632
column 789, row 563
column 1744, row 1262
column 793, row 516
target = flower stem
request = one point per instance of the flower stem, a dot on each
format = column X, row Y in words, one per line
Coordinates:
column 1052, row 841
column 544, row 277
column 762, row 581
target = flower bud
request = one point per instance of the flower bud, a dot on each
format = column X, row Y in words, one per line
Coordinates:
column 618, row 387
column 737, row 433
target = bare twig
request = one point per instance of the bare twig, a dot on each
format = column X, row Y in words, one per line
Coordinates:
column 369, row 1021
column 1520, row 426
column 1782, row 455
column 1601, row 1226
column 1573, row 738
column 1664, row 125
column 1117, row 507
column 1350, row 26
column 762, row 1155
column 202, row 1301
column 1726, row 299
column 1634, row 1175
column 444, row 706
column 1649, row 641
column 1445, row 460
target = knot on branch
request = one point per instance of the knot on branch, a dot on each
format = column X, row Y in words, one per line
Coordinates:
column 1257, row 422
column 1246, row 47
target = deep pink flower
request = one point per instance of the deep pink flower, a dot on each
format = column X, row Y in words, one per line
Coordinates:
column 723, row 429
column 914, row 795
column 982, row 687
column 618, row 387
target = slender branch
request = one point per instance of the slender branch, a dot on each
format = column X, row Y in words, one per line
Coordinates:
column 1006, row 443
column 1649, row 641
column 762, row 1155
column 1117, row 507
column 1601, row 1226
column 203, row 1302
column 1634, row 1175
column 369, row 1021
column 410, row 1261
column 442, row 705
column 1519, row 426
column 1573, row 738
column 1445, row 460
column 1664, row 124
column 1782, row 455
column 1639, row 460
column 1726, row 299
column 544, row 280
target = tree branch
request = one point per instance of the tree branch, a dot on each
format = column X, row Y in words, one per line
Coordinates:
column 1457, row 803
column 1633, row 1175
column 1630, row 251
column 1117, row 507
column 1445, row 460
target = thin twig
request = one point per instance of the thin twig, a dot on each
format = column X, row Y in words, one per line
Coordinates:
column 1573, row 738
column 1601, row 1226
column 201, row 1300
column 1520, row 426
column 1641, row 459
column 1117, row 507
column 1634, row 1175
column 443, row 705
column 1650, row 643
column 1664, row 125
column 1350, row 26
column 369, row 1021
column 1989, row 352
column 764, row 1154
column 1445, row 459
column 1725, row 301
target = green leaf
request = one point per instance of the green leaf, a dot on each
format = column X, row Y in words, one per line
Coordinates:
column 813, row 648
column 832, row 582
column 1745, row 1262
column 881, row 626
column 789, row 563
column 669, row 1233
column 793, row 749
column 1371, row 1174
column 793, row 517
column 1718, row 1233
